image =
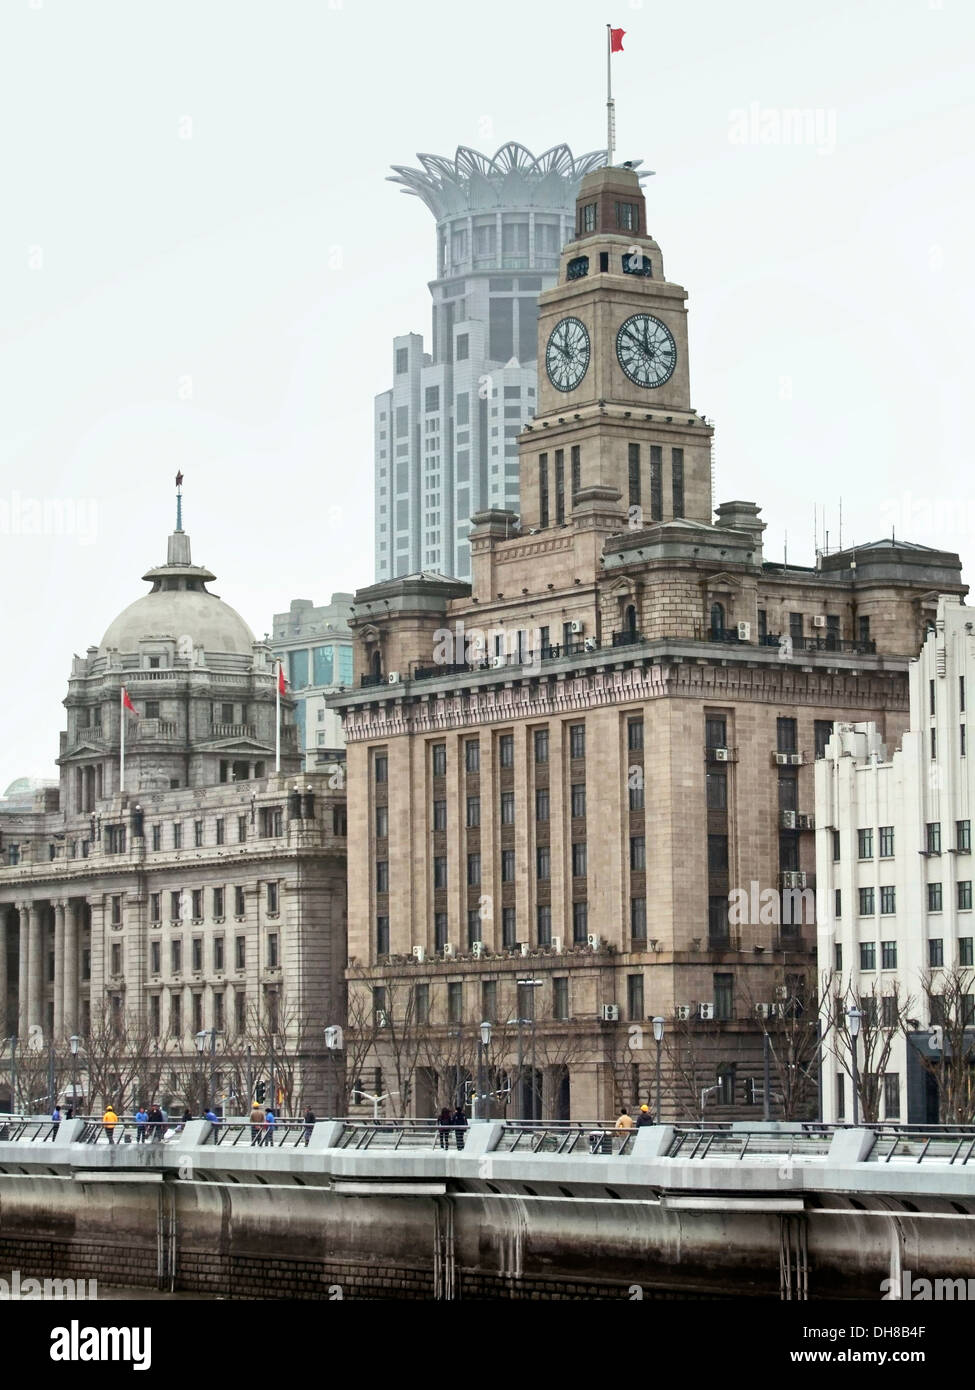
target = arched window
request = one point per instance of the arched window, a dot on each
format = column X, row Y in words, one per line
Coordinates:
column 377, row 664
column 717, row 617
column 630, row 617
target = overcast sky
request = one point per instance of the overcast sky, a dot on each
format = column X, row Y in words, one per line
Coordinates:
column 202, row 267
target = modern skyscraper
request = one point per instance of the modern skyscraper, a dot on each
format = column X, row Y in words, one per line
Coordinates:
column 314, row 645
column 446, row 433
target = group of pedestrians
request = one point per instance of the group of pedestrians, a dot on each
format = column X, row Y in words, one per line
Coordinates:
column 263, row 1122
column 448, row 1122
column 626, row 1121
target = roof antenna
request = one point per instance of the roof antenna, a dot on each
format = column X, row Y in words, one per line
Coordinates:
column 179, row 501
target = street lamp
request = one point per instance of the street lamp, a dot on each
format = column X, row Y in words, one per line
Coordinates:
column 334, row 1041
column 658, row 1037
column 13, row 1074
column 853, row 1018
column 483, row 1043
column 201, row 1042
column 531, row 985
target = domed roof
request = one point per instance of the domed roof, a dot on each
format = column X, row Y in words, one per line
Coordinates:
column 179, row 606
column 211, row 623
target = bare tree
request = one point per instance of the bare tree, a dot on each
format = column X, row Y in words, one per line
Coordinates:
column 882, row 1019
column 949, row 1056
column 789, row 1030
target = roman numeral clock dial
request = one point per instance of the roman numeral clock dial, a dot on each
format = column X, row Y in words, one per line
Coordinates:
column 646, row 350
column 567, row 354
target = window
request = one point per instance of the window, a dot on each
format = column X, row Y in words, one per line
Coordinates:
column 886, row 842
column 543, row 923
column 197, row 902
column 837, row 902
column 838, row 956
column 965, row 894
column 868, row 955
column 221, row 831
column 934, row 744
column 541, row 745
column 272, row 821
column 381, row 766
column 177, row 835
column 836, row 846
column 822, row 732
column 634, row 997
column 543, row 516
column 580, row 922
column 717, row 919
column 717, row 791
column 473, row 870
column 892, row 1095
column 272, row 897
column 634, row 470
column 889, row 1014
column 440, row 872
column 382, row 875
column 965, row 955
column 175, row 956
column 888, row 955
column 155, row 907
column 887, row 898
column 240, row 952
column 198, row 834
column 638, row 853
column 715, row 732
column 472, row 755
column 439, row 754
column 541, row 804
column 272, row 950
column 455, row 1001
column 421, row 1003
column 840, row 1096
column 867, row 905
column 489, row 1000
column 116, row 910
column 116, row 958
column 402, row 361
column 155, row 1015
column 634, row 734
column 578, row 800
column 560, row 998
column 677, row 480
column 473, row 812
column 506, row 750
column 577, row 740
column 238, row 901
column 382, row 935
column 579, row 859
column 724, row 996
column 507, row 808
column 509, row 931
column 543, row 862
column 175, row 1015
column 936, row 951
column 176, row 906
column 157, row 837
column 587, row 217
column 963, row 836
column 382, row 822
column 638, row 919
column 725, row 1077
column 933, row 838
column 439, row 930
column 718, row 853
column 241, row 829
column 507, row 865
column 786, row 735
column 635, row 789
column 864, row 844
column 440, row 815
column 217, row 899
column 196, row 953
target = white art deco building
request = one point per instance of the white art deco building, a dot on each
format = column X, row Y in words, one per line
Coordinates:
column 894, row 876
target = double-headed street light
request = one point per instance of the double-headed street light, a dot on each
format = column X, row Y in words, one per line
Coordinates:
column 483, row 1043
column 201, row 1042
column 853, row 1020
column 658, row 1037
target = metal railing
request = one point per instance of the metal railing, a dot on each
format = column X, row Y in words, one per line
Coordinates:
column 918, row 1142
column 564, row 1137
column 283, row 1134
column 26, row 1129
column 400, row 1134
column 697, row 1143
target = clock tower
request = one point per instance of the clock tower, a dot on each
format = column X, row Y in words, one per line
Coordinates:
column 614, row 387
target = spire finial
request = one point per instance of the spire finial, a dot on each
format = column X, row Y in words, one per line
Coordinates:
column 179, row 501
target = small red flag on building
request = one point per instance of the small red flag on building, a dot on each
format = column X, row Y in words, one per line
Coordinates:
column 616, row 40
column 126, row 702
column 280, row 679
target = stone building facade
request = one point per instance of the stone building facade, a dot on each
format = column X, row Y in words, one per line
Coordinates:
column 207, row 891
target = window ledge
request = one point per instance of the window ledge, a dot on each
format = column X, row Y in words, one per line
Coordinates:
column 273, row 916
column 238, row 919
column 219, row 919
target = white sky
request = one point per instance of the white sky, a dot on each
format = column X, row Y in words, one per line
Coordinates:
column 225, row 303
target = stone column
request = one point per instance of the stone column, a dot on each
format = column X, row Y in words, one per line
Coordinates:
column 59, row 914
column 35, row 971
column 23, row 950
column 72, row 936
column 4, row 915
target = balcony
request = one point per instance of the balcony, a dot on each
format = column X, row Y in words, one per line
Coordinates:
column 233, row 731
column 724, row 634
column 842, row 646
column 627, row 638
column 153, row 730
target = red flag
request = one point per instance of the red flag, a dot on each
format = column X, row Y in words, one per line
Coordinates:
column 616, row 40
column 126, row 702
column 280, row 679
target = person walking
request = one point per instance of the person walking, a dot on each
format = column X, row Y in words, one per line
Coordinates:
column 625, row 1122
column 644, row 1118
column 443, row 1128
column 459, row 1122
column 55, row 1123
column 257, row 1124
column 155, row 1123
column 270, row 1120
column 110, row 1120
column 141, row 1121
column 309, row 1124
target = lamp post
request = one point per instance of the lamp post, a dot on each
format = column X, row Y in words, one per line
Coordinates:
column 201, row 1042
column 531, row 985
column 334, row 1041
column 13, row 1074
column 853, row 1018
column 658, row 1037
column 483, row 1043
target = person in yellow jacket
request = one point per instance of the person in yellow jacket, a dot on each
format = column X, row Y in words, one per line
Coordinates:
column 110, row 1120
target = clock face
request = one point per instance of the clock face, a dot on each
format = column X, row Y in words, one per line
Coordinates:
column 567, row 354
column 646, row 350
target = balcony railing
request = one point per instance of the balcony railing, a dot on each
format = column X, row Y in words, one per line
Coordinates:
column 627, row 637
column 841, row 645
column 233, row 731
column 149, row 730
column 723, row 634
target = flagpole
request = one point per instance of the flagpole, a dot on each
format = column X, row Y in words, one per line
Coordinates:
column 609, row 96
column 277, row 719
column 122, row 718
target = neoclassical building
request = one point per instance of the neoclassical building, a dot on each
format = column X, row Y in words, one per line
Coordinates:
column 207, row 892
column 560, row 773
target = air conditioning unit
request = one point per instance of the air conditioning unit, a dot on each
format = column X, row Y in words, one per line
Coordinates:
column 611, row 1013
column 497, row 662
column 807, row 822
column 781, row 992
column 800, row 880
column 789, row 820
column 819, row 620
column 781, row 759
column 789, row 879
column 557, row 945
column 590, row 644
column 477, row 949
column 524, row 947
column 706, row 1010
column 744, row 632
column 448, row 950
column 720, row 755
column 763, row 1010
column 794, row 759
column 382, row 1018
column 593, row 942
column 682, row 1011
column 577, row 626
column 419, row 954
column 777, row 1010
column 393, row 678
